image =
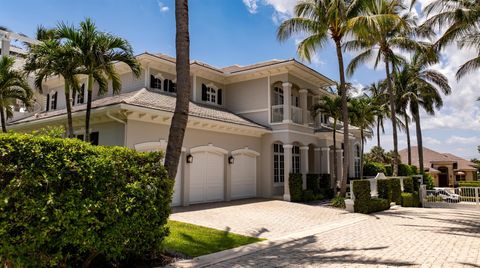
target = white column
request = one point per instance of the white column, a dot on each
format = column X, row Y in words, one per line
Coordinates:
column 287, row 169
column 304, row 165
column 325, row 165
column 287, row 100
column 5, row 46
column 339, row 164
column 194, row 87
column 303, row 105
column 317, row 161
column 147, row 76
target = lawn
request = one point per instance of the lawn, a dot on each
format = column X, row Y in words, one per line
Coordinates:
column 193, row 240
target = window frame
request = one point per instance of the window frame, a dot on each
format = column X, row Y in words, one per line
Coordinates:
column 278, row 164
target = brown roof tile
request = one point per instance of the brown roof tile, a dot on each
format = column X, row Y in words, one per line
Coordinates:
column 430, row 156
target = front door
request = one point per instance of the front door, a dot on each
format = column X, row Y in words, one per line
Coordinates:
column 443, row 177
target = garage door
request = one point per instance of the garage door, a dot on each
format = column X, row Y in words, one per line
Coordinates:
column 207, row 174
column 244, row 174
column 161, row 146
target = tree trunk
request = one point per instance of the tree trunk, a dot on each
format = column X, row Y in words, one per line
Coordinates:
column 409, row 147
column 361, row 155
column 419, row 141
column 346, row 144
column 335, row 169
column 70, row 133
column 180, row 116
column 4, row 122
column 378, row 132
column 393, row 116
column 89, row 107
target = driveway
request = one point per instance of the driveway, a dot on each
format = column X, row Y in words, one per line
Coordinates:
column 417, row 237
column 261, row 217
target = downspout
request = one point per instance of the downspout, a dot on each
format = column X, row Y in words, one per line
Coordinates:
column 124, row 128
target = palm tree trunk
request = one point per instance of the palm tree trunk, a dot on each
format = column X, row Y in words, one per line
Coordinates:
column 409, row 147
column 180, row 116
column 69, row 112
column 361, row 155
column 4, row 122
column 378, row 132
column 393, row 117
column 335, row 170
column 419, row 142
column 89, row 107
column 346, row 145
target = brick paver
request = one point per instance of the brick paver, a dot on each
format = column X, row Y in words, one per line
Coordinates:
column 260, row 217
column 398, row 237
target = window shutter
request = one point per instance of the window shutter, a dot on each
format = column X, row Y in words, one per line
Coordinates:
column 171, row 86
column 204, row 92
column 55, row 105
column 174, row 87
column 48, row 102
column 219, row 96
column 152, row 81
column 165, row 85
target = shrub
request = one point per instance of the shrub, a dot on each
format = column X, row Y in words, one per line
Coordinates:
column 469, row 184
column 414, row 169
column 404, row 170
column 64, row 200
column 378, row 204
column 384, row 189
column 396, row 188
column 388, row 170
column 325, row 188
column 410, row 200
column 313, row 183
column 408, row 185
column 428, row 180
column 296, row 187
column 373, row 168
column 338, row 202
column 308, row 196
column 361, row 191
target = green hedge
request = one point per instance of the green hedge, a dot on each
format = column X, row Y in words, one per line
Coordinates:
column 408, row 185
column 295, row 182
column 325, row 188
column 378, row 204
column 469, row 183
column 396, row 190
column 373, row 168
column 405, row 170
column 428, row 181
column 64, row 200
column 363, row 201
column 384, row 189
column 410, row 200
column 313, row 182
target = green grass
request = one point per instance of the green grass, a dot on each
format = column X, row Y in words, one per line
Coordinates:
column 193, row 240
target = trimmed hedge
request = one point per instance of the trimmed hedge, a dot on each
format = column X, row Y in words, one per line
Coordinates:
column 313, row 182
column 295, row 182
column 325, row 188
column 405, row 170
column 363, row 201
column 396, row 190
column 378, row 204
column 410, row 200
column 384, row 189
column 428, row 181
column 373, row 168
column 408, row 185
column 65, row 201
column 469, row 183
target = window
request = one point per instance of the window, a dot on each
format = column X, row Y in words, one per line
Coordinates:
column 357, row 161
column 277, row 96
column 81, row 95
column 295, row 100
column 211, row 94
column 169, row 86
column 278, row 163
column 53, row 101
column 296, row 159
column 93, row 137
column 155, row 82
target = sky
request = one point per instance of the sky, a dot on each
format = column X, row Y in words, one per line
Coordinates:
column 227, row 32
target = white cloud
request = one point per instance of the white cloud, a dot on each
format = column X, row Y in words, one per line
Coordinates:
column 251, row 5
column 463, row 140
column 283, row 9
column 428, row 140
column 163, row 8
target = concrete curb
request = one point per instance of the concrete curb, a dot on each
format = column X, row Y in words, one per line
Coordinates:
column 228, row 254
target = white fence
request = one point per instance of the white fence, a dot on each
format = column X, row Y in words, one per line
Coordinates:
column 462, row 197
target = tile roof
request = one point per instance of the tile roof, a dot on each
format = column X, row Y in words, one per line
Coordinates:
column 430, row 156
column 158, row 101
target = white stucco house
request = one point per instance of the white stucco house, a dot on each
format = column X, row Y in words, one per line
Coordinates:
column 248, row 128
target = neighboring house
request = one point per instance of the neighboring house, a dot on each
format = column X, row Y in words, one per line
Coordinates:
column 248, row 127
column 447, row 169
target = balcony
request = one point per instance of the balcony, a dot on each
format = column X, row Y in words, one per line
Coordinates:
column 277, row 113
column 297, row 115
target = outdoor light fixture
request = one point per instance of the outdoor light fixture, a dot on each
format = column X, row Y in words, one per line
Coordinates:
column 231, row 160
column 189, row 159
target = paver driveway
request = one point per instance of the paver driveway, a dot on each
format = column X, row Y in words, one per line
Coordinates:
column 260, row 217
column 398, row 237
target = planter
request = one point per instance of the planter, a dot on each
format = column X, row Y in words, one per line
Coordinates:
column 349, row 205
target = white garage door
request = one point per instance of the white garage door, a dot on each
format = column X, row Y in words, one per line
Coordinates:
column 161, row 146
column 207, row 174
column 244, row 174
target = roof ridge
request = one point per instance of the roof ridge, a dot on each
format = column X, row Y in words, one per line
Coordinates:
column 134, row 96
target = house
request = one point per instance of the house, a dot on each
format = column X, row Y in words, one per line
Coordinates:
column 446, row 169
column 248, row 128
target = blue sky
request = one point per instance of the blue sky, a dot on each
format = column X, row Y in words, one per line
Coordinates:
column 226, row 32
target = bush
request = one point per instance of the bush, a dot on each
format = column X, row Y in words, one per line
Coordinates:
column 64, row 200
column 313, row 182
column 325, row 188
column 296, row 187
column 361, row 191
column 428, row 180
column 414, row 169
column 408, row 185
column 405, row 170
column 388, row 170
column 410, row 200
column 469, row 183
column 373, row 168
column 396, row 190
column 378, row 204
column 384, row 189
column 308, row 196
column 338, row 202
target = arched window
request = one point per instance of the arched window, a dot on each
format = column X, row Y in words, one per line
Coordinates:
column 52, row 101
column 278, row 163
column 155, row 82
column 211, row 94
column 169, row 86
column 296, row 159
column 357, row 154
column 277, row 96
column 81, row 95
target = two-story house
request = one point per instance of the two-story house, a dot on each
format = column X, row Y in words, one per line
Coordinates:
column 248, row 127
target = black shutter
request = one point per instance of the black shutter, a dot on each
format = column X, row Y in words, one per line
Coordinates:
column 204, row 92
column 94, row 138
column 174, row 87
column 152, row 81
column 56, row 97
column 165, row 85
column 219, row 96
column 48, row 102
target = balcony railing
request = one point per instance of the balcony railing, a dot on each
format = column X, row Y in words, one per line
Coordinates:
column 277, row 113
column 297, row 115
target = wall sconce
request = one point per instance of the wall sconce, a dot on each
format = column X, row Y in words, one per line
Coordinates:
column 189, row 159
column 231, row 160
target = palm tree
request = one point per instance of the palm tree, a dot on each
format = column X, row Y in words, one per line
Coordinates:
column 378, row 33
column 363, row 113
column 461, row 18
column 98, row 52
column 331, row 107
column 380, row 100
column 321, row 20
column 51, row 58
column 423, row 91
column 180, row 116
column 13, row 87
